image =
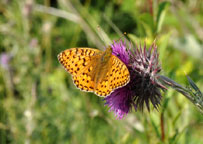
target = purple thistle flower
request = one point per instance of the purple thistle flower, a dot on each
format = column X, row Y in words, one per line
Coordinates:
column 120, row 102
column 143, row 87
column 4, row 60
column 119, row 50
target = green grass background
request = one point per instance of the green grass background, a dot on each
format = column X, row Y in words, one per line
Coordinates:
column 40, row 104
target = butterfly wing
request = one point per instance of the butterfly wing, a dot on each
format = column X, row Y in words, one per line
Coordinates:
column 75, row 60
column 117, row 76
column 78, row 62
column 81, row 63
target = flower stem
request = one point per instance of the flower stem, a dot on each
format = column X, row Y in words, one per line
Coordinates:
column 192, row 92
column 162, row 127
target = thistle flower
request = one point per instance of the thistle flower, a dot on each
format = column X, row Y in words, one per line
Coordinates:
column 4, row 60
column 143, row 87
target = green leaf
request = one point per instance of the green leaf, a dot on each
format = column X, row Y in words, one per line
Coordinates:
column 156, row 129
column 148, row 23
column 165, row 104
column 174, row 137
column 161, row 15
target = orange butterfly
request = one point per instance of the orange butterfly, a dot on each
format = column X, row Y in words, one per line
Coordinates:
column 95, row 71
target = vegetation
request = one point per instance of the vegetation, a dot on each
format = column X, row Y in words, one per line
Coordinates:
column 38, row 100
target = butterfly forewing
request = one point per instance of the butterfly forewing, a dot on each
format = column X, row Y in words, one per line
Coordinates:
column 117, row 76
column 76, row 60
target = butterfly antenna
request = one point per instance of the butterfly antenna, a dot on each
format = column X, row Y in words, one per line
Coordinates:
column 124, row 34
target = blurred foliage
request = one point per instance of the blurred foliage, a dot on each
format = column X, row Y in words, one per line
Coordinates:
column 40, row 104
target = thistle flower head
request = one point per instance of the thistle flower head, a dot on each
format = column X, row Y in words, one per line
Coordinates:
column 120, row 50
column 143, row 87
column 145, row 66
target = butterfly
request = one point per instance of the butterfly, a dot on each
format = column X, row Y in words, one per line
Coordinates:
column 95, row 71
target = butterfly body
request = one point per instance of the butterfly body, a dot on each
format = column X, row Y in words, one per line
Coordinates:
column 102, row 65
column 94, row 70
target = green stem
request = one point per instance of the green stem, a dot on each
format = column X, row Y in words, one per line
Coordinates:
column 195, row 97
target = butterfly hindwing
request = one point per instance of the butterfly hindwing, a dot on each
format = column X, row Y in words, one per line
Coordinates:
column 84, row 82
